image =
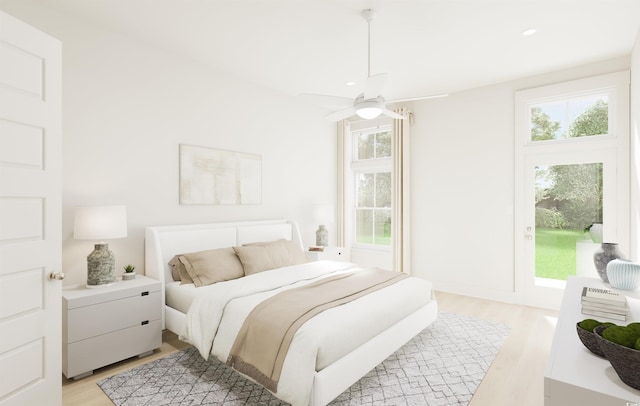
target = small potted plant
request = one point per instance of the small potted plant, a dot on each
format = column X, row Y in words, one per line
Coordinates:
column 128, row 272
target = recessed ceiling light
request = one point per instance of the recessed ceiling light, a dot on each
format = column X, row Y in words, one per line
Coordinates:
column 350, row 83
column 528, row 31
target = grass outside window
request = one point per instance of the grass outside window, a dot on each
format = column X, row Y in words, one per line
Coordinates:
column 556, row 252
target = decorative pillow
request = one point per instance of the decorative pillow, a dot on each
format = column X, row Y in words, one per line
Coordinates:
column 174, row 263
column 263, row 243
column 211, row 266
column 175, row 266
column 178, row 271
column 258, row 257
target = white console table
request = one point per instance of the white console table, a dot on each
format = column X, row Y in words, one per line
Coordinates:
column 574, row 376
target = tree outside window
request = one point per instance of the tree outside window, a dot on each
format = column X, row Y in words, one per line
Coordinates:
column 581, row 117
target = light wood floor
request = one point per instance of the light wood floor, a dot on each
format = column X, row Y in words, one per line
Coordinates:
column 515, row 377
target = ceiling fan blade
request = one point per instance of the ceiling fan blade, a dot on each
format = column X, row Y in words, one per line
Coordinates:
column 392, row 114
column 342, row 114
column 433, row 96
column 330, row 102
column 373, row 85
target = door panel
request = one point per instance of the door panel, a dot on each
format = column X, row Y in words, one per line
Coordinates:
column 564, row 194
column 568, row 200
column 30, row 215
column 20, row 144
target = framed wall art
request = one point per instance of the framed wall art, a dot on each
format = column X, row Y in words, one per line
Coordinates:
column 216, row 177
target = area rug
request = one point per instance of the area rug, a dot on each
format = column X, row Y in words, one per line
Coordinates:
column 443, row 365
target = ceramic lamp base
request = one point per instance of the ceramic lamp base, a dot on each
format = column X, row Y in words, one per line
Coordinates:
column 322, row 236
column 100, row 266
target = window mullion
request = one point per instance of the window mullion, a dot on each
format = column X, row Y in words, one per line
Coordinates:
column 373, row 212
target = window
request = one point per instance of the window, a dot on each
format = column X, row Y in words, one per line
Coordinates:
column 568, row 118
column 374, row 143
column 371, row 168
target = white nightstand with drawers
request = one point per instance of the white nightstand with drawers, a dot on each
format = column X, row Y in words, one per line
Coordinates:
column 329, row 254
column 101, row 326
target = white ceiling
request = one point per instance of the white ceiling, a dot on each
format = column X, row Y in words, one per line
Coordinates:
column 426, row 46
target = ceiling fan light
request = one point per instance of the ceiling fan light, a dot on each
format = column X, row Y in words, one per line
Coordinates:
column 369, row 112
column 369, row 109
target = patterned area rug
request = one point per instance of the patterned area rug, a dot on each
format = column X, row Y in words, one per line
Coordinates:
column 443, row 365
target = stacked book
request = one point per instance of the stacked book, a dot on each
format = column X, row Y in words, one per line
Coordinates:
column 604, row 303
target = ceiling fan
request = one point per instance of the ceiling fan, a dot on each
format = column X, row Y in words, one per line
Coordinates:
column 369, row 104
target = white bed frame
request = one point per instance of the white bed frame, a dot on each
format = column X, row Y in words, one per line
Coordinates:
column 163, row 242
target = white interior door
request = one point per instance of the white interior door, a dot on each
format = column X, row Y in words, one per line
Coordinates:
column 30, row 215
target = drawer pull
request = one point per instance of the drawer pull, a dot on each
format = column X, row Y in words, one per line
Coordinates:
column 145, row 293
column 144, row 322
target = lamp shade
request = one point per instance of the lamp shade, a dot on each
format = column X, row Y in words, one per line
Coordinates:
column 323, row 214
column 100, row 222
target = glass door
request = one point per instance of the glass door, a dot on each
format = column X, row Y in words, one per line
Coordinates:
column 569, row 198
column 571, row 181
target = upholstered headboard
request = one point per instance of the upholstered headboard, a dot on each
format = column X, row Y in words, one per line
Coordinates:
column 163, row 242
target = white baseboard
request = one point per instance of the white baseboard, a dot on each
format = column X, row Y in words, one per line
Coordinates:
column 479, row 292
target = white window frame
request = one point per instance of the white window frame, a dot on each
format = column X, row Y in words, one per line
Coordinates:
column 564, row 93
column 358, row 166
column 616, row 86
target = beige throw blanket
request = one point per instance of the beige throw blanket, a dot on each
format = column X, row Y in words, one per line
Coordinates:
column 262, row 343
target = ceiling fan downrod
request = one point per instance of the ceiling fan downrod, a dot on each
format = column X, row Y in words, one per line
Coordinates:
column 368, row 15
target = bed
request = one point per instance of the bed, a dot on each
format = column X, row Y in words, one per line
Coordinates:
column 337, row 371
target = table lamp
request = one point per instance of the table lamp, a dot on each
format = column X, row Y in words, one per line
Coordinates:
column 322, row 214
column 100, row 223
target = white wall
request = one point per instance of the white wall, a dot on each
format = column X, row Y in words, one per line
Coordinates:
column 127, row 107
column 462, row 171
column 634, row 134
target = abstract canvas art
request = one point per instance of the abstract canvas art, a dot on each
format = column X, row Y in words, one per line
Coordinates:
column 217, row 177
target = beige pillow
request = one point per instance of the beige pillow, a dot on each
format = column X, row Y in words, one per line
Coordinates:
column 258, row 257
column 178, row 271
column 211, row 266
column 184, row 275
column 263, row 243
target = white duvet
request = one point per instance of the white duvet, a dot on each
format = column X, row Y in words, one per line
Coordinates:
column 217, row 313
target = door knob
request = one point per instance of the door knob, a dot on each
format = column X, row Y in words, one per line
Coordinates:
column 528, row 235
column 56, row 276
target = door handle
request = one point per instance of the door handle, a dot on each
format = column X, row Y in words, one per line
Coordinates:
column 527, row 234
column 56, row 276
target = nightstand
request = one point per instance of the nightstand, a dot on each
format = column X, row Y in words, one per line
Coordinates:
column 329, row 254
column 101, row 326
